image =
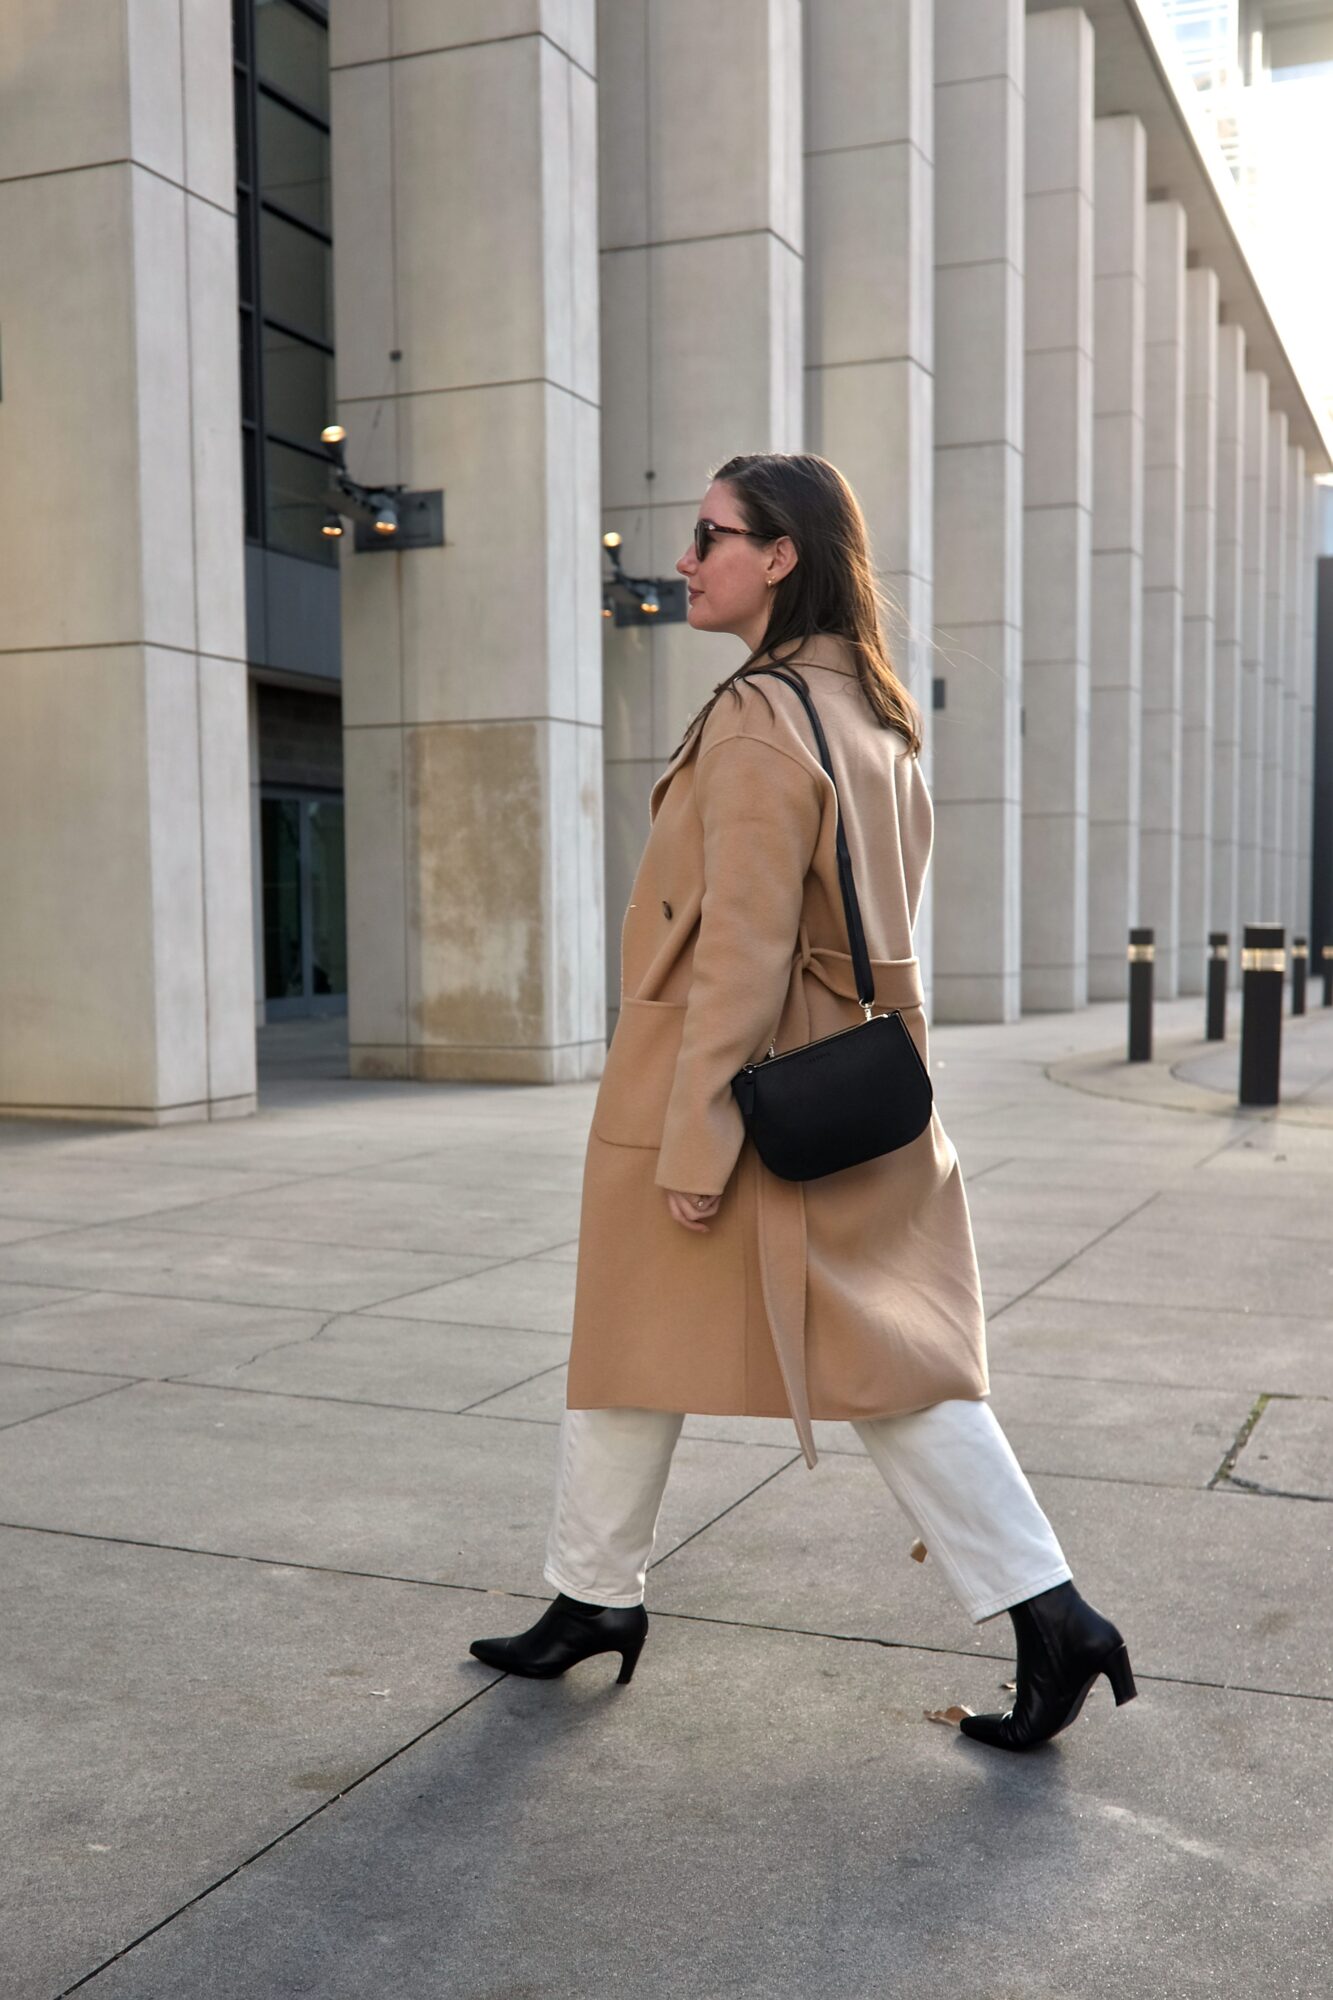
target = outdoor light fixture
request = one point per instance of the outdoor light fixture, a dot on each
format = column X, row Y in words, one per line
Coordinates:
column 639, row 600
column 384, row 517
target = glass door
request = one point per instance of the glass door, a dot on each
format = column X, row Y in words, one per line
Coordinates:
column 305, row 907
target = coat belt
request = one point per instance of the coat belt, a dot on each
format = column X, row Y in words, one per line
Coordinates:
column 781, row 1203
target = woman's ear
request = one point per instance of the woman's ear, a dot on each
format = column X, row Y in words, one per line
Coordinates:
column 782, row 559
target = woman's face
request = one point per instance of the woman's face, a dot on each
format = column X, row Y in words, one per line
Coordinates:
column 729, row 590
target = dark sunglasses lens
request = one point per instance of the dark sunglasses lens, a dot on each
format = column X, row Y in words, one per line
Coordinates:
column 703, row 540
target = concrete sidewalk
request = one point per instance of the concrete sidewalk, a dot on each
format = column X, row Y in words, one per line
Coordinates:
column 279, row 1401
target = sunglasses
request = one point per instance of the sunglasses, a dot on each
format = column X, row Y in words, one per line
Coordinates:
column 706, row 531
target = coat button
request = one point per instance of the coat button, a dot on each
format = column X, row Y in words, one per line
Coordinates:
column 666, row 909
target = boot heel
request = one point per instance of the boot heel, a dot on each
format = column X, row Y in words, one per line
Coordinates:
column 629, row 1660
column 1117, row 1671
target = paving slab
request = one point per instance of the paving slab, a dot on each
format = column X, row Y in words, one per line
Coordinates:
column 1040, row 1162
column 251, row 1270
column 1212, row 1586
column 1285, row 1151
column 1171, row 1345
column 771, row 1817
column 14, row 1229
column 166, row 1715
column 1256, row 1211
column 1001, row 1202
column 533, row 1292
column 1290, row 1449
column 1118, row 1430
column 54, row 1186
column 414, row 1364
column 1010, row 1264
column 1198, row 1269
column 31, row 1392
column 470, row 1221
column 124, row 1334
column 402, row 1493
column 18, row 1298
column 269, row 1143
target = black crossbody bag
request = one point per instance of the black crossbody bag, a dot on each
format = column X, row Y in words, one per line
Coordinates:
column 853, row 1095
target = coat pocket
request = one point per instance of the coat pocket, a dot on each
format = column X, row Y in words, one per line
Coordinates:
column 640, row 1070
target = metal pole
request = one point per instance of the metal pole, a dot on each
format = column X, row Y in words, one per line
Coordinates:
column 1328, row 975
column 1218, row 946
column 1263, row 961
column 1300, row 960
column 1140, row 995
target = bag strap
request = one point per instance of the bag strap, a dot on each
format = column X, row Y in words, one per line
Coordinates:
column 856, row 937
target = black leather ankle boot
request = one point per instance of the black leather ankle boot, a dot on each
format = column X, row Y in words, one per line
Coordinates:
column 567, row 1632
column 1063, row 1644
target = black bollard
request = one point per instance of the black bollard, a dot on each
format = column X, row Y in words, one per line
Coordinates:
column 1216, row 1030
column 1262, row 960
column 1328, row 975
column 1140, row 995
column 1300, row 961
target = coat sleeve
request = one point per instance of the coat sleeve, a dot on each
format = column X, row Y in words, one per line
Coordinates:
column 761, row 811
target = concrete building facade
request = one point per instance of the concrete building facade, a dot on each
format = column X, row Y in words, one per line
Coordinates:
column 556, row 261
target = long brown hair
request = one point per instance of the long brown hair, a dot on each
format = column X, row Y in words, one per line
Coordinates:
column 832, row 586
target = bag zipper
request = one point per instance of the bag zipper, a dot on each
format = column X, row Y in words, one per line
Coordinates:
column 748, row 1069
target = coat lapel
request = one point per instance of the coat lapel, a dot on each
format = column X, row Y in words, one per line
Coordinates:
column 681, row 758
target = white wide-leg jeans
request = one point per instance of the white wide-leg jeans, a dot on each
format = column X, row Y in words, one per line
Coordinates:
column 950, row 1468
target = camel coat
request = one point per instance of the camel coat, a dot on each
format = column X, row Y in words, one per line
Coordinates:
column 855, row 1295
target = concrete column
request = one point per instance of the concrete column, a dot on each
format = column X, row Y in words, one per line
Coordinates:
column 1275, row 634
column 1117, row 549
column 1253, row 595
column 126, row 975
column 700, row 116
column 1229, row 563
column 1057, row 508
column 1163, row 587
column 472, row 672
column 1311, row 504
column 1289, row 804
column 869, row 380
column 1198, row 626
column 979, row 52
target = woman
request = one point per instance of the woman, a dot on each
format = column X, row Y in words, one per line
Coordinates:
column 704, row 1282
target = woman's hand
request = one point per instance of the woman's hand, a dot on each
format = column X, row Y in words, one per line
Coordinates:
column 690, row 1210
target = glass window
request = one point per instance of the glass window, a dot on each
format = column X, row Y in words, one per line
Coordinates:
column 328, row 897
column 253, row 496
column 249, row 410
column 285, row 268
column 244, row 250
column 295, row 271
column 294, row 162
column 298, row 387
column 297, row 495
column 280, row 829
column 304, row 902
column 292, row 51
column 241, row 96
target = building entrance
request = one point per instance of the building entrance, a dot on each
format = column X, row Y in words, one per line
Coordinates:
column 305, row 922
